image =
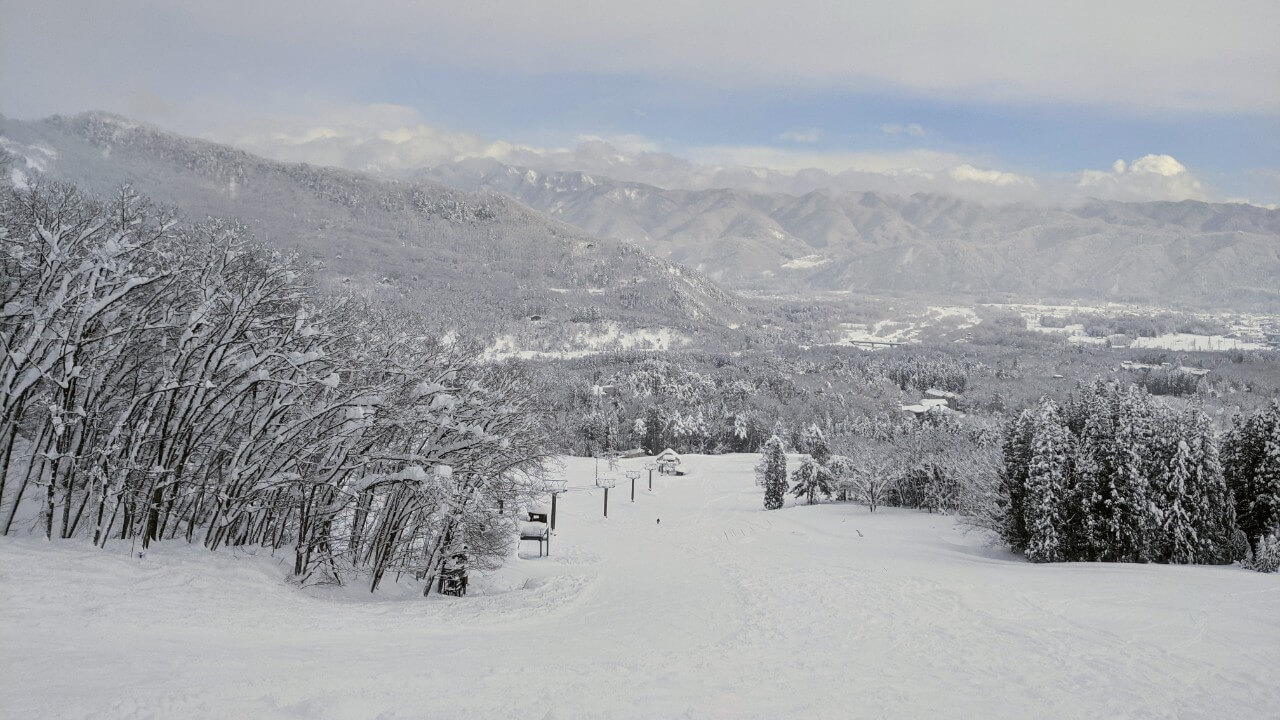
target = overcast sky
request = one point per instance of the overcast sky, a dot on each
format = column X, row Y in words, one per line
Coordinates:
column 1022, row 100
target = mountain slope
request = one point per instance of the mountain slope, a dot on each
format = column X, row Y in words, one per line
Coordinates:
column 478, row 259
column 1192, row 252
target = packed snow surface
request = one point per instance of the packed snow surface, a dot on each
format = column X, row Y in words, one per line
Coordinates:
column 722, row 610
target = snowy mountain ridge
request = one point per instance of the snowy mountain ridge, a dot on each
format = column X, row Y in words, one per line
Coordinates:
column 1192, row 252
column 479, row 259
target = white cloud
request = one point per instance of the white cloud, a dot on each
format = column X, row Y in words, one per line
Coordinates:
column 912, row 129
column 969, row 173
column 787, row 160
column 394, row 139
column 1150, row 177
column 808, row 135
column 626, row 142
column 377, row 137
column 1247, row 201
column 1163, row 165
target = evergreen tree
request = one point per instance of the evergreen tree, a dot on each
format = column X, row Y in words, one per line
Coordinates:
column 1212, row 509
column 1251, row 466
column 1180, row 540
column 771, row 472
column 1265, row 507
column 653, row 426
column 813, row 442
column 781, row 432
column 810, row 479
column 1267, row 558
column 1013, row 478
column 1048, row 485
column 1132, row 522
column 1092, row 497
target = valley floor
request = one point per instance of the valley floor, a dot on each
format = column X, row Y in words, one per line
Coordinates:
column 722, row 610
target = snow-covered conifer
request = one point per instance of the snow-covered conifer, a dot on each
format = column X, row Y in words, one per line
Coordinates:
column 1017, row 451
column 810, row 479
column 814, row 442
column 771, row 472
column 1251, row 465
column 1180, row 539
column 1048, row 485
column 1267, row 557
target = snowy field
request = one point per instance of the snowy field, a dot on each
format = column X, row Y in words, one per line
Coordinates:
column 597, row 338
column 907, row 327
column 907, row 330
column 722, row 610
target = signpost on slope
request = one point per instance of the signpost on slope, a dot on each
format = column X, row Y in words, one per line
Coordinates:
column 606, row 482
column 633, row 475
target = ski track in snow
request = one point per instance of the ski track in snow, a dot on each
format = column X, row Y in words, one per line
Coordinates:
column 723, row 610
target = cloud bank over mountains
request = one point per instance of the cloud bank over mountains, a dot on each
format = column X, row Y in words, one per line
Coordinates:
column 999, row 100
column 394, row 140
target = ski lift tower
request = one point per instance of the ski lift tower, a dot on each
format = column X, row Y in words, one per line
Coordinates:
column 556, row 487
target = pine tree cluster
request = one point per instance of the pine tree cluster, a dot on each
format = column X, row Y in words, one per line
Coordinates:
column 1116, row 475
column 1251, row 464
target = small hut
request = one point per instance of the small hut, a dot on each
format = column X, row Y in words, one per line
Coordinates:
column 668, row 462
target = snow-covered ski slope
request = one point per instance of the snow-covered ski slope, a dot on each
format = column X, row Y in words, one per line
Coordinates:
column 722, row 610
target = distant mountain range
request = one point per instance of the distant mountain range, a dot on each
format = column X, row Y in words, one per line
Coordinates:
column 476, row 259
column 1187, row 252
column 486, row 246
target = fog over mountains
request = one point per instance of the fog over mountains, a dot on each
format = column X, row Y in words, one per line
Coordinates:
column 478, row 259
column 1191, row 252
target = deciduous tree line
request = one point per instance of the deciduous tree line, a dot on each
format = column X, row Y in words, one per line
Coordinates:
column 161, row 379
column 940, row 465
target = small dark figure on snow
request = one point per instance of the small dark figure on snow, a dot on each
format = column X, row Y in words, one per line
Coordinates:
column 659, row 521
